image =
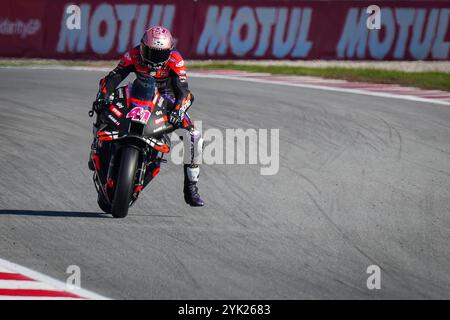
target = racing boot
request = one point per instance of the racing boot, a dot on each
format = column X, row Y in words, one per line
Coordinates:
column 191, row 196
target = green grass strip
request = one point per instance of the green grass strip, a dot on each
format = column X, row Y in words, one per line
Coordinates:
column 425, row 80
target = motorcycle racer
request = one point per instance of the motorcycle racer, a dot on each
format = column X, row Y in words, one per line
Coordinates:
column 155, row 56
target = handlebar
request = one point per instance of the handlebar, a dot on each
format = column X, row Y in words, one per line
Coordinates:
column 97, row 107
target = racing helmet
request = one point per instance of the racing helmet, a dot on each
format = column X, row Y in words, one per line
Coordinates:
column 156, row 46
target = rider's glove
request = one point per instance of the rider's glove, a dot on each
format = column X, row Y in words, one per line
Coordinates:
column 106, row 91
column 99, row 105
column 176, row 117
column 109, row 97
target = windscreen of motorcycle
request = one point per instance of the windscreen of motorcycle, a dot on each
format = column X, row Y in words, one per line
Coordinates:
column 143, row 88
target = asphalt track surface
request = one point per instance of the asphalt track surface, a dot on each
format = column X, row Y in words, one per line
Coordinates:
column 362, row 181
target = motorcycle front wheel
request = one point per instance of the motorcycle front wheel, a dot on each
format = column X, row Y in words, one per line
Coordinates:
column 125, row 182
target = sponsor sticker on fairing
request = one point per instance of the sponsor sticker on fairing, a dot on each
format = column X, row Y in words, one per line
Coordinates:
column 159, row 120
column 117, row 123
column 116, row 112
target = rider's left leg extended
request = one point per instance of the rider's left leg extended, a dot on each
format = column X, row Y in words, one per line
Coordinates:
column 192, row 169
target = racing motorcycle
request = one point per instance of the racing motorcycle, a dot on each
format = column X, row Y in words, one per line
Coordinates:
column 132, row 135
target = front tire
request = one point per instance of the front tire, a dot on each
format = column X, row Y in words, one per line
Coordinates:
column 125, row 182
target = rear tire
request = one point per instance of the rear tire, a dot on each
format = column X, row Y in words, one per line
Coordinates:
column 125, row 183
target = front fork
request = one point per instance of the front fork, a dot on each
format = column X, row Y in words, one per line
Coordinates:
column 140, row 174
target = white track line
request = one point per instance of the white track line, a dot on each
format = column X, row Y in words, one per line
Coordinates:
column 10, row 267
column 35, row 298
column 327, row 88
column 264, row 81
column 23, row 284
column 2, row 269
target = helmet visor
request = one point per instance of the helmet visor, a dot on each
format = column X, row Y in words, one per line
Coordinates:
column 154, row 56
